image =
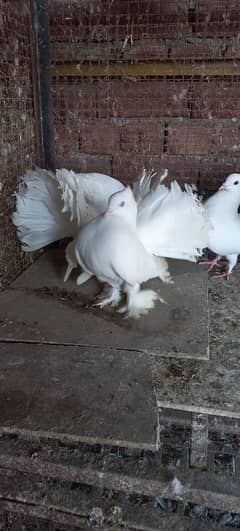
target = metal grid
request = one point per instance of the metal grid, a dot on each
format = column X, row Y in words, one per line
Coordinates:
column 17, row 143
column 147, row 82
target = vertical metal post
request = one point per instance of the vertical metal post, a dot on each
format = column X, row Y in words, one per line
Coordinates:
column 41, row 77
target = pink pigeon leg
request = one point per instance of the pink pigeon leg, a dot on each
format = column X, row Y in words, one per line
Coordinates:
column 225, row 275
column 232, row 260
column 212, row 262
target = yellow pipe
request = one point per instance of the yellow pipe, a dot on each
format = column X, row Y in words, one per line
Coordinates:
column 146, row 69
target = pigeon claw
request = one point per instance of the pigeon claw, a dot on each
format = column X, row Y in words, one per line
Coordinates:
column 223, row 276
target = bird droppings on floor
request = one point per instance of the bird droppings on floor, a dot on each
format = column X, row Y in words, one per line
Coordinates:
column 111, row 421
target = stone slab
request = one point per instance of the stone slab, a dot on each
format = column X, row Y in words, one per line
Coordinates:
column 41, row 308
column 78, row 391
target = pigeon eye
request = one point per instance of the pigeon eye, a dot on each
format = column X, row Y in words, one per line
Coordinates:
column 236, row 182
column 122, row 204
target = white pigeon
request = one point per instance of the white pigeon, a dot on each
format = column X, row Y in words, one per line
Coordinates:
column 50, row 207
column 170, row 221
column 108, row 247
column 224, row 232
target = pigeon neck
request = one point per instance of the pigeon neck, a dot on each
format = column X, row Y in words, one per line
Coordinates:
column 230, row 202
column 130, row 219
column 232, row 205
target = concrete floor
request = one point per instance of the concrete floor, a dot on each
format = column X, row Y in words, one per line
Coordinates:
column 102, row 412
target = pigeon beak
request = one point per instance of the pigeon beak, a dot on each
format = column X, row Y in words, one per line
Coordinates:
column 223, row 187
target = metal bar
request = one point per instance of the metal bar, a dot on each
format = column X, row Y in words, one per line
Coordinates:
column 41, row 76
column 152, row 69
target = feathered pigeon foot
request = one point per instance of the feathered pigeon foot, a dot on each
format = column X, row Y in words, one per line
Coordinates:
column 112, row 299
column 166, row 278
column 142, row 303
column 212, row 263
column 163, row 271
column 139, row 302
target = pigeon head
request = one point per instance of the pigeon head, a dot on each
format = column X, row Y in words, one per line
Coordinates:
column 232, row 184
column 123, row 204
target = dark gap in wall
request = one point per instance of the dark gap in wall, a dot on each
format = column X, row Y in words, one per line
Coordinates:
column 192, row 18
column 165, row 137
column 190, row 101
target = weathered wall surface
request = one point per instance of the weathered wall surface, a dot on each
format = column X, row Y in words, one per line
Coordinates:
column 180, row 120
column 17, row 145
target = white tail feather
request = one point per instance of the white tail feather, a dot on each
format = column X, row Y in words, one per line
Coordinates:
column 72, row 193
column 172, row 223
column 163, row 176
column 143, row 186
column 38, row 215
column 50, row 208
column 85, row 195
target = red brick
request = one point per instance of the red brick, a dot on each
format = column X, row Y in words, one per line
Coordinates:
column 99, row 139
column 142, row 138
column 120, row 98
column 216, row 100
column 194, row 48
column 128, row 168
column 218, row 18
column 184, row 169
column 67, row 22
column 187, row 138
column 218, row 29
column 210, row 170
column 225, row 139
column 155, row 30
column 142, row 99
column 73, row 101
column 84, row 163
column 214, row 170
column 174, row 8
column 91, row 51
column 203, row 138
column 217, row 7
column 115, row 20
column 232, row 49
column 144, row 49
column 66, row 139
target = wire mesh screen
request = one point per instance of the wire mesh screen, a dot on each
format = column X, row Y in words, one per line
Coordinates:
column 147, row 82
column 17, row 144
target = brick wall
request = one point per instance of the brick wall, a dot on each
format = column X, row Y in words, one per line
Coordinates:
column 117, row 125
column 17, row 146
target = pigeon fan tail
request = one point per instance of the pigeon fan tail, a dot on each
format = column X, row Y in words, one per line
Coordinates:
column 38, row 215
column 72, row 191
column 143, row 186
column 85, row 195
column 172, row 223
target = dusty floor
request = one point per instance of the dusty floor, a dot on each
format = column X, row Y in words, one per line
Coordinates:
column 99, row 414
